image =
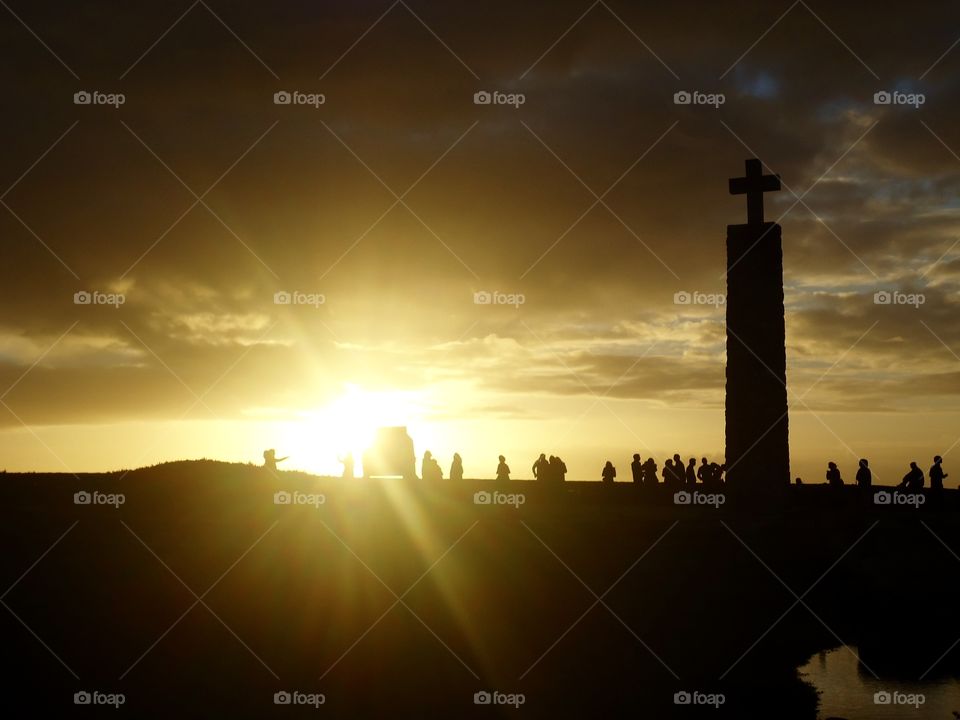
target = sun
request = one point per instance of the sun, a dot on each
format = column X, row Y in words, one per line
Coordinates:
column 348, row 423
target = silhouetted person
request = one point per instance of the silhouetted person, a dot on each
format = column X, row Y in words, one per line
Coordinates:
column 936, row 474
column 541, row 468
column 864, row 476
column 668, row 475
column 550, row 475
column 430, row 468
column 609, row 472
column 456, row 467
column 703, row 472
column 913, row 480
column 270, row 459
column 347, row 461
column 503, row 470
column 679, row 476
column 833, row 475
column 636, row 468
column 650, row 473
column 558, row 469
column 692, row 472
column 798, row 481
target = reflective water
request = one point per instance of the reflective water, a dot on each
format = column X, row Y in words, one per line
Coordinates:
column 850, row 692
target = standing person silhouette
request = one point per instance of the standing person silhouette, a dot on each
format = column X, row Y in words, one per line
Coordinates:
column 609, row 472
column 456, row 467
column 692, row 473
column 348, row 464
column 864, row 476
column 937, row 474
column 270, row 459
column 503, row 470
column 833, row 475
column 558, row 469
column 541, row 468
column 703, row 472
column 636, row 467
column 668, row 476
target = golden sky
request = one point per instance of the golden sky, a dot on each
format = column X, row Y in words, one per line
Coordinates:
column 399, row 199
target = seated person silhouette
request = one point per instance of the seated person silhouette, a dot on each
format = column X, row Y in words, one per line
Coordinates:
column 609, row 472
column 913, row 480
column 864, row 476
column 937, row 474
column 270, row 459
column 833, row 475
column 503, row 470
column 456, row 467
column 636, row 468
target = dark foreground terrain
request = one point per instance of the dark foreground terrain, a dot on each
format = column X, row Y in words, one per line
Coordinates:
column 199, row 596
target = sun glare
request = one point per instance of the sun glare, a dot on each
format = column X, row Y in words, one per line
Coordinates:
column 348, row 424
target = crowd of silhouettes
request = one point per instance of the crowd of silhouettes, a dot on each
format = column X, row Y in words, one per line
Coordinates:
column 549, row 470
column 675, row 474
column 913, row 481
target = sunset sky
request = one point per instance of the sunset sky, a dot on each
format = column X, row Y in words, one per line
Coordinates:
column 399, row 199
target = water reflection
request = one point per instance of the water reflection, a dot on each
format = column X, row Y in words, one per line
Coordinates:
column 849, row 691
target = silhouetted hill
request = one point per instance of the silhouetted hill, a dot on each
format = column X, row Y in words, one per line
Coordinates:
column 306, row 589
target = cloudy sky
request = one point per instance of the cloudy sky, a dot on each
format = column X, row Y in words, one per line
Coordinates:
column 586, row 206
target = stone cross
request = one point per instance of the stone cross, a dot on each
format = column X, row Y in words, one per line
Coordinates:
column 754, row 185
